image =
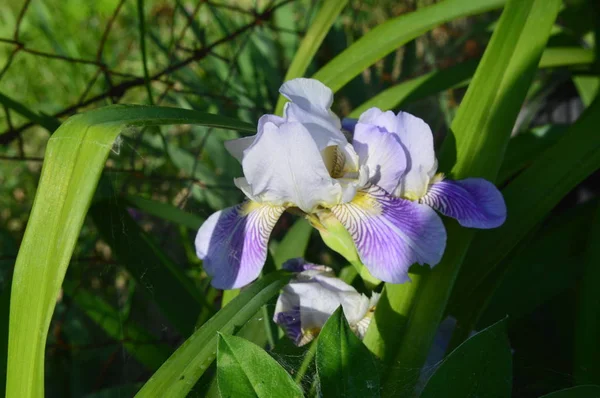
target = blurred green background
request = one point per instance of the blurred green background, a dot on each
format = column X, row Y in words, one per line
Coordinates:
column 110, row 330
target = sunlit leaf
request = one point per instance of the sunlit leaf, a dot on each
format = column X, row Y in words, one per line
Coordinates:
column 74, row 159
column 394, row 33
column 246, row 370
column 181, row 371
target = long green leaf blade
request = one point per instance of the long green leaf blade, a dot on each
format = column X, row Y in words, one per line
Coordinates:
column 481, row 131
column 531, row 195
column 394, row 33
column 74, row 159
column 330, row 9
column 180, row 372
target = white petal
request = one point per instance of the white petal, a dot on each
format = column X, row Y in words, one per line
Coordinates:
column 309, row 94
column 284, row 166
column 237, row 147
column 417, row 138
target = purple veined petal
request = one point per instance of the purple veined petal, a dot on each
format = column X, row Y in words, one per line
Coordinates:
column 382, row 153
column 474, row 202
column 391, row 233
column 233, row 243
column 290, row 322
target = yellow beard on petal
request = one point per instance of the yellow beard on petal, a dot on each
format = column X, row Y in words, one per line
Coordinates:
column 367, row 203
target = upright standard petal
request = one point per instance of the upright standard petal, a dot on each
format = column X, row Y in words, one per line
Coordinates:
column 417, row 138
column 233, row 243
column 284, row 167
column 474, row 202
column 417, row 141
column 310, row 105
column 237, row 147
column 391, row 233
column 382, row 153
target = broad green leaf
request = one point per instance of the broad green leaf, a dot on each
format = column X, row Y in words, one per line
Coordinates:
column 181, row 371
column 394, row 33
column 587, row 346
column 328, row 13
column 345, row 367
column 166, row 211
column 75, row 156
column 294, row 243
column 589, row 391
column 480, row 367
column 529, row 198
column 160, row 278
column 142, row 345
column 246, row 370
column 480, row 133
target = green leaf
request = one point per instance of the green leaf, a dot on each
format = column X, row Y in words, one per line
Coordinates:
column 536, row 269
column 142, row 345
column 75, row 156
column 576, row 392
column 480, row 133
column 161, row 279
column 529, row 198
column 458, row 76
column 587, row 346
column 420, row 87
column 480, row 367
column 294, row 243
column 246, row 370
column 345, row 367
column 181, row 371
column 525, row 147
column 49, row 123
column 394, row 33
column 328, row 13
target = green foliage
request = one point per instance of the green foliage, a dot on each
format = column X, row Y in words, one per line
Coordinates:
column 98, row 302
column 181, row 371
column 481, row 366
column 246, row 370
column 341, row 356
column 74, row 160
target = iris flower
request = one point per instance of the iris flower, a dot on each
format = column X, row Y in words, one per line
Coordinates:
column 382, row 187
column 310, row 298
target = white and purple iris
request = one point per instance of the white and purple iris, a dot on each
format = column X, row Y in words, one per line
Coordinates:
column 312, row 296
column 382, row 187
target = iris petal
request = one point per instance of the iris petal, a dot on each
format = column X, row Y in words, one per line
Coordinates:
column 474, row 202
column 284, row 166
column 233, row 243
column 382, row 153
column 391, row 233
